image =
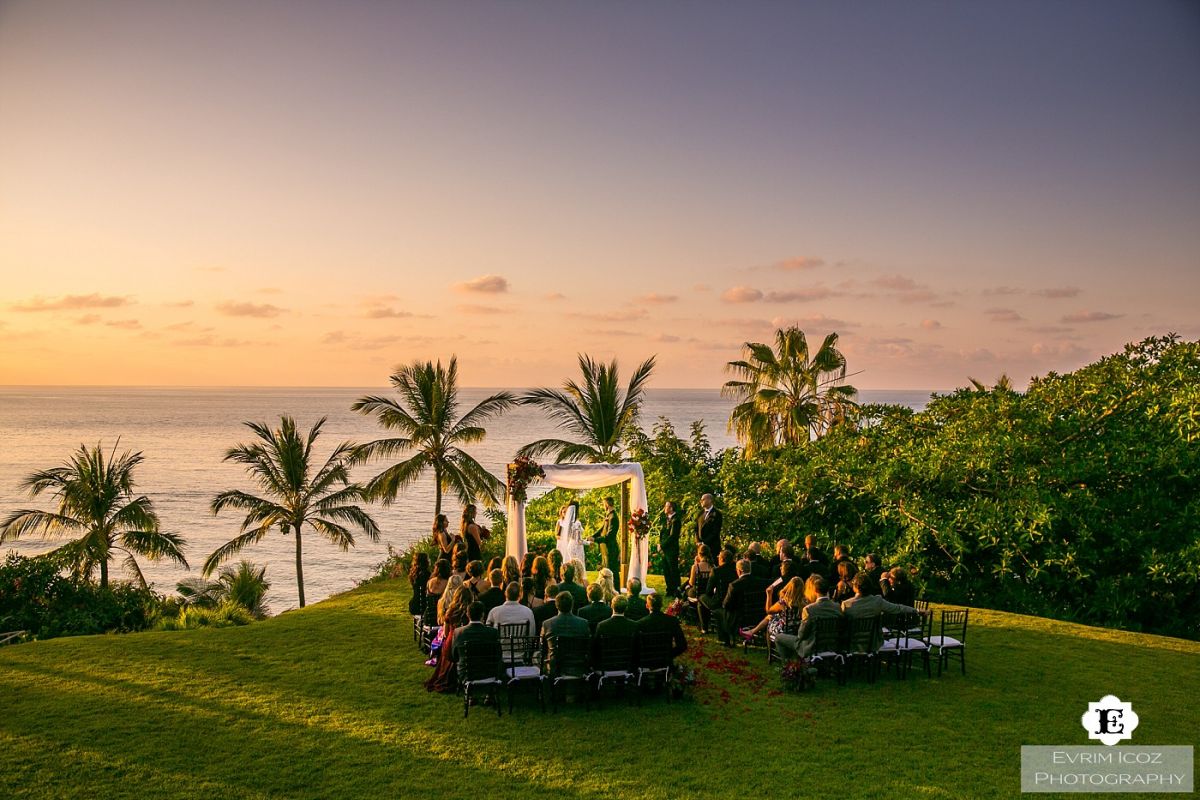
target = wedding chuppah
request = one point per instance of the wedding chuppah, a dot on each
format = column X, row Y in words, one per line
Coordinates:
column 524, row 472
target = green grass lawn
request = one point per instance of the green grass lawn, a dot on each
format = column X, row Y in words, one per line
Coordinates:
column 327, row 702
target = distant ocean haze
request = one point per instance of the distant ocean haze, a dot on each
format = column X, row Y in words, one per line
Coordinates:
column 185, row 432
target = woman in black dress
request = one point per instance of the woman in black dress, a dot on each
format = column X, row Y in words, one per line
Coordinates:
column 442, row 537
column 473, row 534
column 419, row 574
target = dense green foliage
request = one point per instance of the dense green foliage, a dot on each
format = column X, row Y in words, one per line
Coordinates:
column 1078, row 499
column 327, row 702
column 36, row 596
column 245, row 585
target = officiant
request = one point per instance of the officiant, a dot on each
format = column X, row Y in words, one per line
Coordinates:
column 607, row 537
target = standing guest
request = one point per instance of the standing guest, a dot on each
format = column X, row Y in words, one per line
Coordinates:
column 568, row 584
column 606, row 537
column 419, row 574
column 512, row 611
column 873, row 567
column 701, row 571
column 474, row 631
column 473, row 533
column 708, row 524
column 443, row 538
column 636, row 609
column 844, row 588
column 669, row 526
column 897, row 587
column 596, row 610
column 511, row 570
column 527, row 565
column 655, row 621
column 541, row 574
column 607, row 584
column 746, row 585
column 547, row 609
column 714, row 593
column 816, row 592
column 455, row 616
column 493, row 595
column 555, row 558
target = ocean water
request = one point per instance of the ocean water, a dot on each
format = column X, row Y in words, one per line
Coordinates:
column 184, row 433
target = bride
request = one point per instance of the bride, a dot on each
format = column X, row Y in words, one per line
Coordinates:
column 569, row 533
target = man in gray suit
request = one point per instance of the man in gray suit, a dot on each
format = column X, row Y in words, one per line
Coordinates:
column 565, row 623
column 867, row 602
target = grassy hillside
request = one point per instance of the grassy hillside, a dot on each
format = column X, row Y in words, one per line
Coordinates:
column 327, row 702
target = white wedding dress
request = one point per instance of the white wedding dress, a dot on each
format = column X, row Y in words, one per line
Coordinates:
column 570, row 538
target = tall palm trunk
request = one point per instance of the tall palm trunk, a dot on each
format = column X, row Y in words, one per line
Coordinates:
column 437, row 491
column 299, row 567
column 104, row 574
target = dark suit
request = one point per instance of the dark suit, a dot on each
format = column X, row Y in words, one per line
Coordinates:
column 761, row 568
column 542, row 613
column 658, row 622
column 617, row 625
column 566, row 625
column 668, row 541
column 714, row 593
column 747, row 589
column 610, row 546
column 474, row 632
column 577, row 592
column 490, row 599
column 637, row 608
column 595, row 613
column 708, row 530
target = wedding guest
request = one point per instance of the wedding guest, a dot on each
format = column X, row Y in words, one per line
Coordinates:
column 722, row 576
column 873, row 567
column 840, row 553
column 473, row 533
column 866, row 603
column 511, row 570
column 436, row 584
column 816, row 592
column 897, row 587
column 787, row 570
column 617, row 625
column 452, row 586
column 844, row 588
column 492, row 596
column 527, row 565
column 555, row 558
column 547, row 609
column 565, row 623
column 512, row 611
column 746, row 585
column 656, row 621
column 580, row 572
column 443, row 538
column 529, row 594
column 608, row 584
column 460, row 561
column 419, row 574
column 495, row 563
column 596, row 610
column 637, row 608
column 791, row 597
column 455, row 616
column 708, row 524
column 477, row 583
column 702, row 569
column 474, row 631
column 814, row 552
column 541, row 574
column 568, row 584
column 782, row 552
column 758, row 563
column 669, row 526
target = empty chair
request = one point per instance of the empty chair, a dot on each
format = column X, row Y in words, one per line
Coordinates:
column 907, row 639
column 521, row 665
column 952, row 639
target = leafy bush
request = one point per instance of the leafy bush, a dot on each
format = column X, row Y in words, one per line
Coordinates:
column 228, row 613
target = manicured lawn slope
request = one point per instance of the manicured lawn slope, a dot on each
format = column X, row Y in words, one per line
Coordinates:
column 327, row 702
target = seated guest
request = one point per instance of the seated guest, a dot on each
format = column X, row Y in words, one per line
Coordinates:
column 773, row 564
column 541, row 574
column 419, row 574
column 473, row 631
column 758, row 562
column 441, row 575
column 816, row 592
column 529, row 595
column 636, row 609
column 527, row 565
column 867, row 603
column 714, row 594
column 616, row 625
column 568, row 584
column 810, row 547
column 475, row 580
column 844, row 588
column 495, row 563
column 563, row 624
column 656, row 621
column 745, row 586
column 812, row 565
column 787, row 570
column 452, row 586
column 547, row 609
column 897, row 587
column 791, row 597
column 459, row 561
column 580, row 573
column 596, row 610
column 607, row 584
column 493, row 595
column 873, row 568
column 840, row 553
column 555, row 557
column 510, row 571
column 454, row 616
column 513, row 612
column 702, row 568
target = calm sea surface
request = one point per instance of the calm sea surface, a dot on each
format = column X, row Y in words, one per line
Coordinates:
column 184, row 432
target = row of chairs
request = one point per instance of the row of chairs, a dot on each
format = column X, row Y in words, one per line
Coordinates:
column 518, row 660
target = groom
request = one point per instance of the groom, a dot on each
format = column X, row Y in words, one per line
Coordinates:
column 606, row 537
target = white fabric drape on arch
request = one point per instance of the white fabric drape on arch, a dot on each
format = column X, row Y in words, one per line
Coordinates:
column 588, row 476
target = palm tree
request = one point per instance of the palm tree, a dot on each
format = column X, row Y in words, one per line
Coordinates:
column 784, row 396
column 245, row 585
column 281, row 461
column 424, row 415
column 597, row 412
column 1003, row 384
column 96, row 499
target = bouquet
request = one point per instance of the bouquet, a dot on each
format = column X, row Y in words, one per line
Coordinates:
column 520, row 473
column 681, row 678
column 798, row 674
column 676, row 609
column 639, row 523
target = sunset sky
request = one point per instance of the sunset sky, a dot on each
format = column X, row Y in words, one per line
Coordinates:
column 303, row 193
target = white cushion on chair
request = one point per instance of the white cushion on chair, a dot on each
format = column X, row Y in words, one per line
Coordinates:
column 516, row 673
column 944, row 642
column 481, row 682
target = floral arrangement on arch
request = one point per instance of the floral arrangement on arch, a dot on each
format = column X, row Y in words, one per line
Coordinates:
column 798, row 674
column 521, row 473
column 639, row 523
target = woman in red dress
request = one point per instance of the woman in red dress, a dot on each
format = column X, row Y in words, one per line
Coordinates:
column 444, row 677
